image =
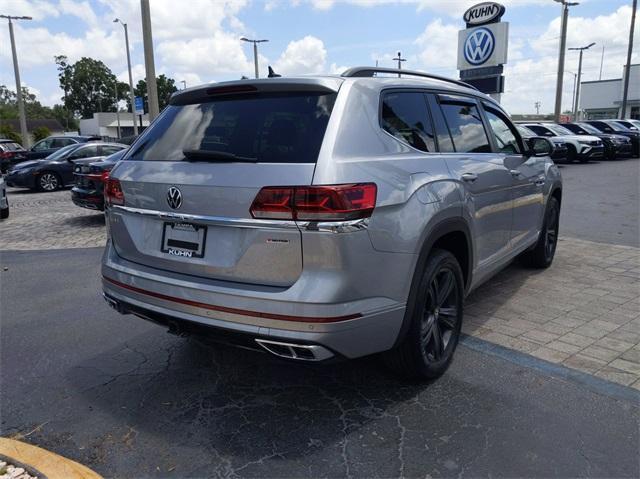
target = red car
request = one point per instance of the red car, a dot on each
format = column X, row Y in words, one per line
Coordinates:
column 10, row 154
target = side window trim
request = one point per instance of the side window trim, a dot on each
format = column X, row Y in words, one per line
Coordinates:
column 434, row 104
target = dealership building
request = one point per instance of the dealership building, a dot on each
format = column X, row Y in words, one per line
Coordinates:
column 603, row 98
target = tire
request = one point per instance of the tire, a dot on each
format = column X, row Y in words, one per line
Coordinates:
column 428, row 346
column 4, row 213
column 541, row 256
column 48, row 181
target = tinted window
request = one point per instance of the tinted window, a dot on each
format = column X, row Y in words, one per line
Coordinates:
column 445, row 144
column 540, row 130
column 110, row 150
column 602, row 126
column 60, row 142
column 506, row 140
column 576, row 129
column 43, row 145
column 86, row 152
column 268, row 128
column 405, row 116
column 465, row 126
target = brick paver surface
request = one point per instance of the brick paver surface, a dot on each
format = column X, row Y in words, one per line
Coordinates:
column 583, row 312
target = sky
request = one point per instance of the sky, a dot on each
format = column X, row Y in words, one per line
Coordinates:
column 197, row 41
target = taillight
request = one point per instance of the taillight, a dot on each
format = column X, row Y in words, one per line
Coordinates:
column 315, row 203
column 103, row 177
column 113, row 194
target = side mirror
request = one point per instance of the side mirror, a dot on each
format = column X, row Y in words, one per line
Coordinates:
column 539, row 146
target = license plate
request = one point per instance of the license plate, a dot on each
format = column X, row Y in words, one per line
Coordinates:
column 184, row 239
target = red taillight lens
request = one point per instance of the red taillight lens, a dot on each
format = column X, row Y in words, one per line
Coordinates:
column 103, row 177
column 113, row 194
column 316, row 203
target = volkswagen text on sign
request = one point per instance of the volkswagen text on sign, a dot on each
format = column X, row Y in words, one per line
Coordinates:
column 484, row 46
column 482, row 13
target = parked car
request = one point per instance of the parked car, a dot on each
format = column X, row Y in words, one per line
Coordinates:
column 56, row 170
column 4, row 201
column 579, row 148
column 560, row 149
column 611, row 127
column 51, row 144
column 89, row 180
column 10, row 154
column 633, row 125
column 615, row 146
column 275, row 214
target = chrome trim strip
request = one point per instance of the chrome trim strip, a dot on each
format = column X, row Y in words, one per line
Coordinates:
column 215, row 220
column 321, row 226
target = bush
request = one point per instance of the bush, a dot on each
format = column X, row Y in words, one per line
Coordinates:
column 40, row 133
column 6, row 131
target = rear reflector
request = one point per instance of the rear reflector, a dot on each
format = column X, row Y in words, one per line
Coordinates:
column 315, row 203
column 113, row 194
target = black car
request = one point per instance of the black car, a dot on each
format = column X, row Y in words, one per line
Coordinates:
column 11, row 153
column 617, row 129
column 560, row 150
column 51, row 144
column 56, row 170
column 615, row 146
column 90, row 179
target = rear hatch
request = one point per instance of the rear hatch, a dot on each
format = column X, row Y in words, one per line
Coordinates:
column 190, row 179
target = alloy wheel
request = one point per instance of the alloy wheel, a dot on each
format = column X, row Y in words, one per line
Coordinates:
column 49, row 182
column 440, row 319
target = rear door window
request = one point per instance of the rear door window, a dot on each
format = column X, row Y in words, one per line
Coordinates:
column 261, row 127
column 465, row 125
column 60, row 142
column 86, row 152
column 405, row 116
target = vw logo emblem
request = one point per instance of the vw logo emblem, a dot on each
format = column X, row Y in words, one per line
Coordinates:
column 174, row 198
column 479, row 46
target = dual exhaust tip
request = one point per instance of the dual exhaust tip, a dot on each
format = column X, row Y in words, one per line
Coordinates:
column 298, row 352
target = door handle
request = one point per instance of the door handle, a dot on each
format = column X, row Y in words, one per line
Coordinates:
column 469, row 177
column 540, row 182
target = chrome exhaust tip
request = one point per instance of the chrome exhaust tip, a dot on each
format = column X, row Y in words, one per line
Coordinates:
column 299, row 352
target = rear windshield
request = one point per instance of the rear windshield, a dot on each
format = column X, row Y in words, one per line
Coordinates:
column 266, row 128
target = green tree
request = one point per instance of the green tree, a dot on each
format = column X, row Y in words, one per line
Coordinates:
column 40, row 133
column 7, row 131
column 9, row 104
column 165, row 86
column 90, row 86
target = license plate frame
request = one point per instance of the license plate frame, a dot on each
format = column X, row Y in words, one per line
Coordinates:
column 183, row 239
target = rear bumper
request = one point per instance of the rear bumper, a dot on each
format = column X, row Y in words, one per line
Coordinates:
column 352, row 329
column 89, row 199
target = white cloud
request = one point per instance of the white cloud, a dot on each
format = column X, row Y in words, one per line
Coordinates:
column 438, row 47
column 304, row 56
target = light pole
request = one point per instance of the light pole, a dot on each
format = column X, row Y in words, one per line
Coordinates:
column 575, row 106
column 400, row 60
column 255, row 51
column 563, row 46
column 573, row 92
column 184, row 84
column 26, row 141
column 627, row 68
column 117, row 108
column 149, row 63
column 132, row 95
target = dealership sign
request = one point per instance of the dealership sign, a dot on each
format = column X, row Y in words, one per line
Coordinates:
column 482, row 47
column 486, row 12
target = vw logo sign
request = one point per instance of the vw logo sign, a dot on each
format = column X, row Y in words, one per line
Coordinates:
column 174, row 198
column 479, row 46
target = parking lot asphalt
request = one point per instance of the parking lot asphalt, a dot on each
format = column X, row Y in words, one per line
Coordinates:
column 125, row 398
column 601, row 201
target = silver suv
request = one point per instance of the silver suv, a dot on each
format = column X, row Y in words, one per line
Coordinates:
column 328, row 216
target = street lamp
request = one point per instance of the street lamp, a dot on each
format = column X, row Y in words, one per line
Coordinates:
column 255, row 51
column 563, row 46
column 26, row 141
column 131, row 93
column 575, row 106
column 184, row 84
column 573, row 92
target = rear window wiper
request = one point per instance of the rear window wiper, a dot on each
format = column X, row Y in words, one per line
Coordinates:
column 213, row 155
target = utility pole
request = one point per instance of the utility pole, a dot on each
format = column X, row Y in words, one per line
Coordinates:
column 149, row 64
column 537, row 106
column 255, row 52
column 627, row 68
column 576, row 105
column 400, row 60
column 601, row 63
column 26, row 141
column 132, row 95
column 563, row 46
column 573, row 93
column 117, row 108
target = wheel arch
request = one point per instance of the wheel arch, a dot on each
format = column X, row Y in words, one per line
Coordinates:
column 453, row 235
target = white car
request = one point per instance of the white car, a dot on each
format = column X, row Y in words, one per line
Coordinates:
column 4, row 201
column 580, row 148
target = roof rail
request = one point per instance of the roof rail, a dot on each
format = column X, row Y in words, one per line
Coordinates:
column 371, row 71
